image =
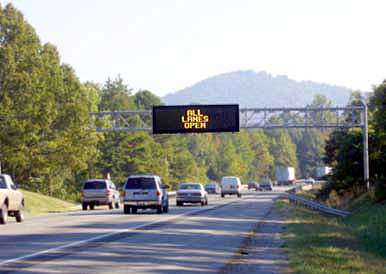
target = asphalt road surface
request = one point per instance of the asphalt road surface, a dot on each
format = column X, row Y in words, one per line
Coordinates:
column 189, row 239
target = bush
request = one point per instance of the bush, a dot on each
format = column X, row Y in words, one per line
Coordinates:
column 379, row 194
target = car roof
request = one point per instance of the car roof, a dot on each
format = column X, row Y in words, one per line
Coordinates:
column 142, row 175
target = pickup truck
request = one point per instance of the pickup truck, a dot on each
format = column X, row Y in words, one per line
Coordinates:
column 11, row 200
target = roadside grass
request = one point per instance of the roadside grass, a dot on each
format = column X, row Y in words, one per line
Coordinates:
column 37, row 204
column 318, row 243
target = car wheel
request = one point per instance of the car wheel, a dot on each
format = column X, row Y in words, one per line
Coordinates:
column 239, row 195
column 222, row 195
column 179, row 203
column 4, row 214
column 91, row 206
column 165, row 209
column 111, row 205
column 20, row 213
column 126, row 209
column 84, row 206
column 134, row 210
column 117, row 204
column 159, row 209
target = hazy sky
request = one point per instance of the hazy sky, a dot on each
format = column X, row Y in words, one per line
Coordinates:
column 166, row 45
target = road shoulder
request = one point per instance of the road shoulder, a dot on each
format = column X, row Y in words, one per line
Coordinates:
column 261, row 251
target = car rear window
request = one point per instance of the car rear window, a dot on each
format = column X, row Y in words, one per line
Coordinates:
column 140, row 183
column 95, row 185
column 189, row 186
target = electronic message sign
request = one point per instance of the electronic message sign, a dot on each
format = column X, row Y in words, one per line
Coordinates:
column 196, row 118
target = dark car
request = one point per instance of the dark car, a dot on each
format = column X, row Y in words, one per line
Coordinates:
column 212, row 188
column 265, row 184
column 253, row 185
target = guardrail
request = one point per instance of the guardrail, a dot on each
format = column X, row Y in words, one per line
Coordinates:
column 292, row 198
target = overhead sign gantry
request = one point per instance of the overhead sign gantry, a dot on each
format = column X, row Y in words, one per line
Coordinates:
column 229, row 118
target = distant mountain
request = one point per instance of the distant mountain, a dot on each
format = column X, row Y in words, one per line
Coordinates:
column 256, row 89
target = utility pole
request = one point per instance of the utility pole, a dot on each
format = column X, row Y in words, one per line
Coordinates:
column 365, row 146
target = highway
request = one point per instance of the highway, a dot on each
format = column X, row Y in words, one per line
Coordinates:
column 189, row 239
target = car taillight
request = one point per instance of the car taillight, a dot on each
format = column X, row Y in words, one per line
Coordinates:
column 123, row 193
column 158, row 193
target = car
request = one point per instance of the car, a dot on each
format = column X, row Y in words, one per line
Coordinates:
column 266, row 184
column 230, row 185
column 97, row 192
column 310, row 180
column 253, row 185
column 145, row 192
column 191, row 193
column 11, row 200
column 212, row 188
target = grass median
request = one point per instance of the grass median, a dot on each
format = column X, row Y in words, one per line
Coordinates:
column 37, row 204
column 317, row 243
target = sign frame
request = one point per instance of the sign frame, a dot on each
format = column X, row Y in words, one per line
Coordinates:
column 196, row 118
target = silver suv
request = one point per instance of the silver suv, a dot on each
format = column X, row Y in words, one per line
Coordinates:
column 100, row 192
column 145, row 191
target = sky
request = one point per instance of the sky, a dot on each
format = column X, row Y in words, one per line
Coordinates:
column 166, row 45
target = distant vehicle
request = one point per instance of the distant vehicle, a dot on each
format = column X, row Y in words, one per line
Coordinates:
column 145, row 192
column 191, row 193
column 265, row 184
column 322, row 171
column 230, row 185
column 253, row 185
column 213, row 188
column 310, row 180
column 11, row 200
column 285, row 175
column 97, row 192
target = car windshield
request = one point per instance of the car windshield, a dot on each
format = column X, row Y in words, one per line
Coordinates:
column 210, row 185
column 265, row 183
column 189, row 186
column 141, row 183
column 95, row 185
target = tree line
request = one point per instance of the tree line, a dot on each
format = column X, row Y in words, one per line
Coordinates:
column 48, row 143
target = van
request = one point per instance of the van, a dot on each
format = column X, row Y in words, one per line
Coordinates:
column 230, row 185
column 145, row 192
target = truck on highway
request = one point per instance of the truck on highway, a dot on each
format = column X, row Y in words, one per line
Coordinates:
column 322, row 171
column 11, row 200
column 285, row 175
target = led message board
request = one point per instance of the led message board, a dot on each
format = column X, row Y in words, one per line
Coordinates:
column 196, row 119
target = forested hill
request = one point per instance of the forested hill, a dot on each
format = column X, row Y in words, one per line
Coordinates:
column 257, row 89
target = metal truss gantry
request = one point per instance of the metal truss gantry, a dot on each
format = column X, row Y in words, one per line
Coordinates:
column 264, row 118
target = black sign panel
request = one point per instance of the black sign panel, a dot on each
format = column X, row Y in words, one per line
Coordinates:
column 196, row 118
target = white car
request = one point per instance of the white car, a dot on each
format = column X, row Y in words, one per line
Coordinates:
column 145, row 192
column 191, row 193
